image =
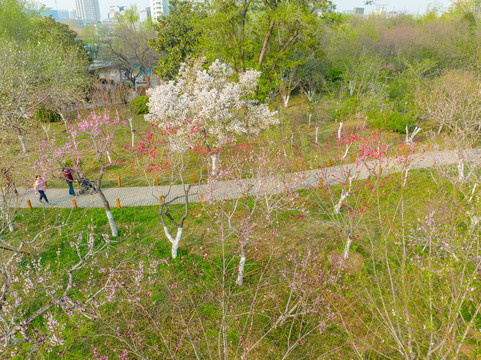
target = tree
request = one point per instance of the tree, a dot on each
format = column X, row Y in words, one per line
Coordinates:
column 179, row 36
column 210, row 102
column 38, row 300
column 265, row 35
column 34, row 74
column 17, row 19
column 95, row 132
column 49, row 30
column 453, row 101
column 129, row 48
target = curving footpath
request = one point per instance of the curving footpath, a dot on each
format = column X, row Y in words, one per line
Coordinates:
column 147, row 196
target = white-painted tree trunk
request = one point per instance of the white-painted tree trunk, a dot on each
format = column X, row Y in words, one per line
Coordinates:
column 310, row 115
column 242, row 262
column 113, row 227
column 10, row 224
column 351, row 88
column 310, row 95
column 64, row 120
column 337, row 207
column 474, row 221
column 317, row 132
column 292, row 140
column 108, row 156
column 347, row 150
column 410, row 139
column 461, row 168
column 405, row 177
column 344, row 195
column 174, row 242
column 347, row 247
column 7, row 218
column 286, row 99
column 440, row 128
column 339, row 131
column 46, row 128
column 132, row 131
column 9, row 221
column 214, row 163
column 472, row 193
column 22, row 143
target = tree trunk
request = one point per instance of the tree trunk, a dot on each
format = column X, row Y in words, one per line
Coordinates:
column 6, row 216
column 175, row 242
column 337, row 208
column 214, row 164
column 108, row 156
column 461, row 169
column 110, row 217
column 339, row 131
column 265, row 44
column 64, row 120
column 242, row 261
column 22, row 143
column 347, row 247
column 286, row 99
column 132, row 131
column 317, row 131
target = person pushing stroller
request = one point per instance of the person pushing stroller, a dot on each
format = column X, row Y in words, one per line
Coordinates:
column 67, row 174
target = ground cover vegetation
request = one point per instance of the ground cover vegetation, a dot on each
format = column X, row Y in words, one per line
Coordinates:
column 335, row 235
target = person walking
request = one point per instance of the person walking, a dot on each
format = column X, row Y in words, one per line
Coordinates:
column 39, row 187
column 67, row 173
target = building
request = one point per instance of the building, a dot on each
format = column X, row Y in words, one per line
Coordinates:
column 116, row 10
column 159, row 8
column 88, row 10
column 358, row 11
column 144, row 14
column 58, row 15
column 72, row 14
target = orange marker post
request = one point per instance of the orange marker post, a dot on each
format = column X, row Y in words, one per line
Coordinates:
column 321, row 183
column 329, row 163
column 156, row 180
column 118, row 203
column 29, row 204
column 193, row 178
column 202, row 198
column 74, row 203
column 161, row 199
column 118, row 180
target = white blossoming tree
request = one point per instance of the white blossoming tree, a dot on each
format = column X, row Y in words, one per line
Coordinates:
column 211, row 100
column 205, row 107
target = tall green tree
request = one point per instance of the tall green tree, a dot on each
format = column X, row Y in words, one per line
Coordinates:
column 48, row 29
column 266, row 35
column 179, row 36
column 17, row 19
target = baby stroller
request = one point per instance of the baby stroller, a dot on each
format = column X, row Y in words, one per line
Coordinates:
column 85, row 187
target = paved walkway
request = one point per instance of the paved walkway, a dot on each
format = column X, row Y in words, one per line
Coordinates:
column 145, row 196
